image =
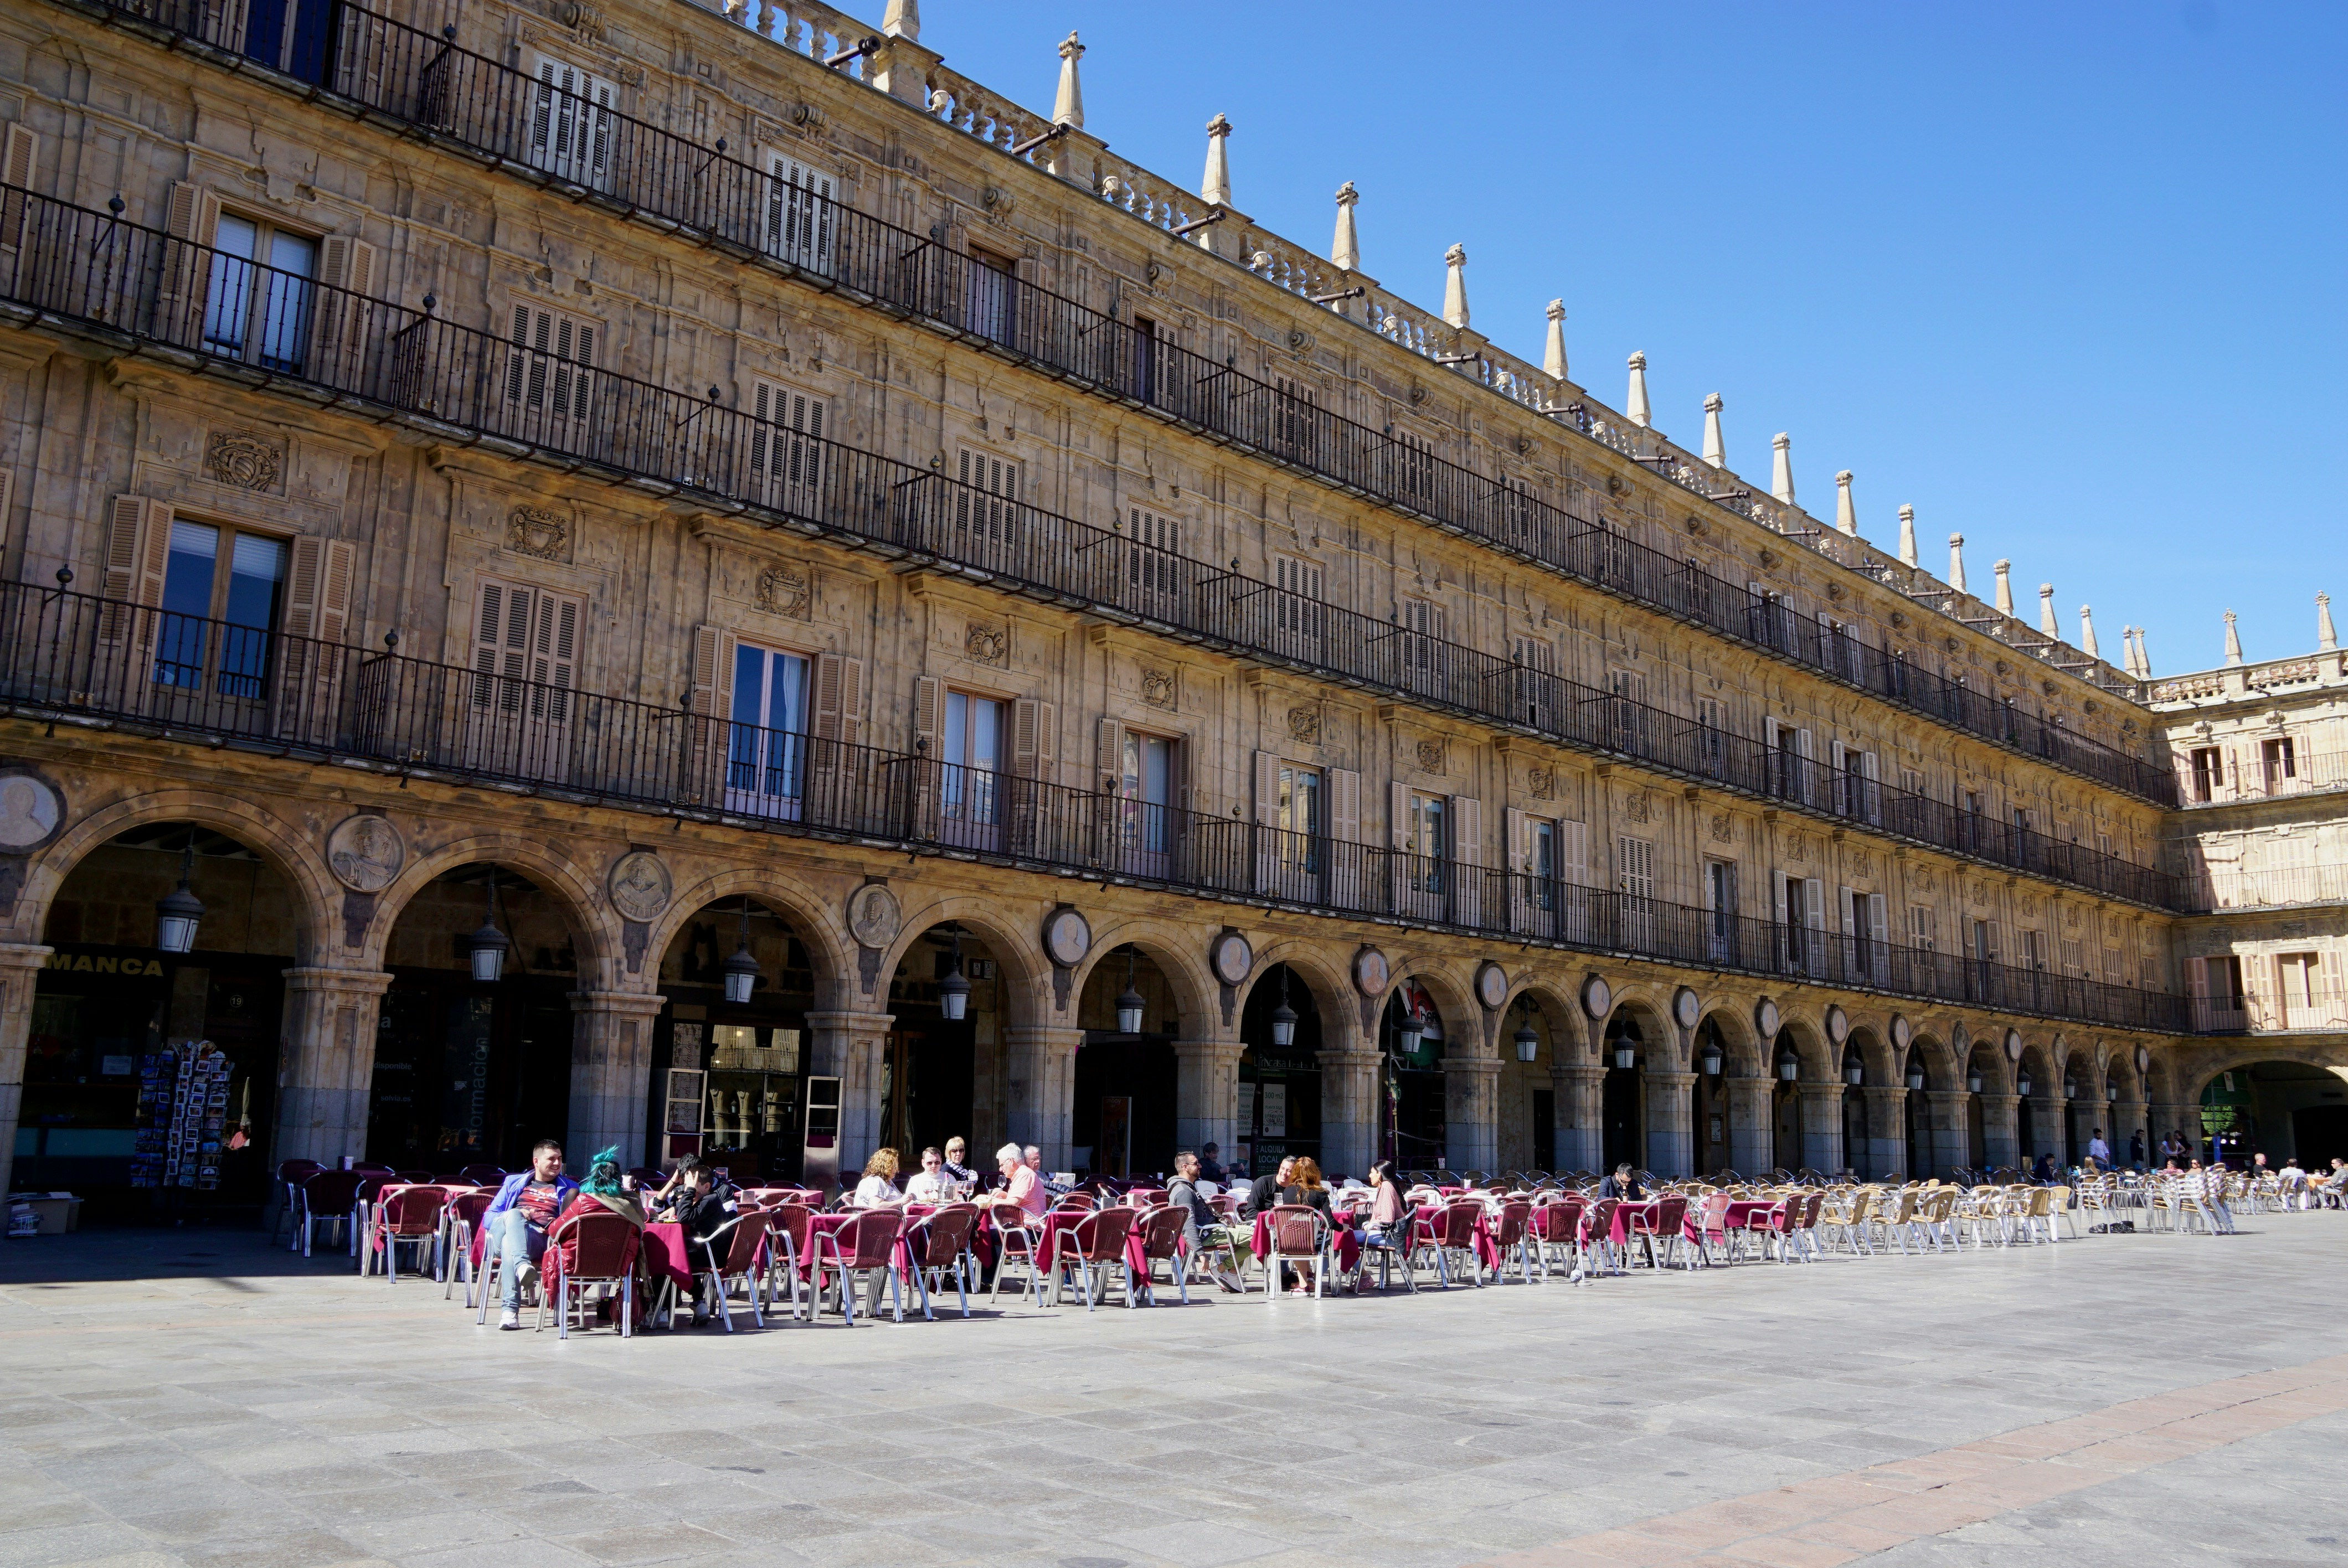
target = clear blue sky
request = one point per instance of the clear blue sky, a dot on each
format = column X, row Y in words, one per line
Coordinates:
column 2067, row 277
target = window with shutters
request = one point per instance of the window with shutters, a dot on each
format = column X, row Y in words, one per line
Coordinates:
column 1424, row 629
column 986, row 504
column 1635, row 867
column 1519, row 513
column 549, row 361
column 2114, row 968
column 525, row 652
column 1839, row 648
column 262, row 291
column 1299, row 809
column 1920, row 927
column 1413, row 467
column 1629, row 711
column 1153, row 554
column 785, row 441
column 992, row 308
column 571, row 122
column 1720, row 908
column 1145, row 784
column 1427, row 837
column 1535, row 662
column 1296, row 600
column 2277, row 764
column 224, row 592
column 1296, row 422
column 1143, row 381
column 1542, row 862
column 2074, row 960
column 1898, row 674
column 802, row 217
column 972, row 748
column 2208, row 772
column 2300, row 976
column 766, row 750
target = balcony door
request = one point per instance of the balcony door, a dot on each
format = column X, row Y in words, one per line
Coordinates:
column 766, row 748
column 519, row 701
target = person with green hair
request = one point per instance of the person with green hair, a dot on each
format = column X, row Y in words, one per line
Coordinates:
column 606, row 1189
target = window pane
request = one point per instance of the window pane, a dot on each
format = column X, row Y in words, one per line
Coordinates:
column 285, row 324
column 1157, row 770
column 986, row 733
column 255, row 581
column 188, row 578
column 787, row 693
column 228, row 303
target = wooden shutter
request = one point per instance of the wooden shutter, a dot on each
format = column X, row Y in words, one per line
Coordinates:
column 1344, row 806
column 800, row 212
column 1267, row 789
column 828, row 710
column 1573, row 853
column 570, row 122
column 713, row 671
column 1518, row 827
column 787, row 424
column 554, row 652
column 1879, row 920
column 7, row 494
column 2334, row 1000
column 1109, row 754
column 1838, row 799
column 1035, row 739
column 1397, row 814
column 138, row 547
column 988, row 499
column 193, row 215
column 17, row 155
column 1778, row 913
column 320, row 579
column 1467, row 829
column 929, row 704
column 1814, row 899
column 338, row 330
column 851, row 699
column 1847, row 906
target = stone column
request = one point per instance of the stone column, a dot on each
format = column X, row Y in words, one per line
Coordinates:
column 325, row 1063
column 1670, row 1142
column 1943, row 1122
column 1471, row 1122
column 1886, row 1115
column 1581, row 1101
column 2001, row 1130
column 1352, row 1110
column 1040, row 1086
column 1205, row 1092
column 1752, row 1130
column 20, row 967
column 851, row 1047
column 1822, row 1149
column 2049, row 1112
column 611, row 1074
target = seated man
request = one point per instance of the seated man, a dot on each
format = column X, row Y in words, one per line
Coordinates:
column 931, row 1185
column 1033, row 1159
column 1202, row 1228
column 1021, row 1185
column 707, row 1209
column 1210, row 1168
column 1264, row 1191
column 516, row 1221
column 1624, row 1184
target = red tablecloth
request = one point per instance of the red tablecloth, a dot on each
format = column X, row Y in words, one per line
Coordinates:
column 1059, row 1220
column 1620, row 1232
column 666, row 1257
column 1744, row 1213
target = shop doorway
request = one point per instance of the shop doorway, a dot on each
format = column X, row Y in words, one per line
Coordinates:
column 1411, row 1037
column 150, row 1077
column 729, row 1078
column 1279, row 1112
column 472, row 1070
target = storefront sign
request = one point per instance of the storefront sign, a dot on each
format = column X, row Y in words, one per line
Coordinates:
column 119, row 962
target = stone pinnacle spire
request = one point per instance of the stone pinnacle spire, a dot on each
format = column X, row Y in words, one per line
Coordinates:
column 2325, row 637
column 1345, row 247
column 2233, row 640
column 1553, row 356
column 1715, row 451
column 2087, row 633
column 2046, row 621
column 1846, row 513
column 1957, row 562
column 1454, row 286
column 1781, row 468
column 903, row 20
column 2003, row 572
column 1068, row 107
column 2143, row 657
column 1908, row 535
column 1216, row 186
column 1635, row 405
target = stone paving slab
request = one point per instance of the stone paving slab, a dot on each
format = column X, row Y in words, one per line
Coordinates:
column 196, row 1397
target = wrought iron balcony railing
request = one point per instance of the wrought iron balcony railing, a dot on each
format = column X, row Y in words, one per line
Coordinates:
column 423, row 85
column 88, row 658
column 72, row 265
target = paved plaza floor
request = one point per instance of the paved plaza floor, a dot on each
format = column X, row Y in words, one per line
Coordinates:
column 194, row 1397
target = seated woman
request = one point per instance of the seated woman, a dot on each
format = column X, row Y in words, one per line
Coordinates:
column 878, row 1187
column 1305, row 1186
column 1386, row 1200
column 606, row 1190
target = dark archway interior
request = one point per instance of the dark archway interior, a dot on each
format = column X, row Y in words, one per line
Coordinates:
column 729, row 1078
column 1623, row 1098
column 1280, row 1089
column 2283, row 1110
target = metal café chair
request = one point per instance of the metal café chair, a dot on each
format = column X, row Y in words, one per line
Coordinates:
column 743, row 1238
column 328, row 1197
column 1014, row 1239
column 459, row 1219
column 1392, row 1242
column 291, row 1174
column 602, row 1249
column 409, row 1215
column 872, row 1245
column 1160, row 1229
column 939, row 1243
column 1093, row 1245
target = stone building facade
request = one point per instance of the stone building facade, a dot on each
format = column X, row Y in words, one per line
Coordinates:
column 2261, row 757
column 664, row 484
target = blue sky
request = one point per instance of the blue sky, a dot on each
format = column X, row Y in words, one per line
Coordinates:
column 2068, row 278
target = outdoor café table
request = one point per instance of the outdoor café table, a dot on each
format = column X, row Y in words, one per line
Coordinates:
column 1487, row 1250
column 1059, row 1220
column 982, row 1235
column 1624, row 1210
column 1743, row 1212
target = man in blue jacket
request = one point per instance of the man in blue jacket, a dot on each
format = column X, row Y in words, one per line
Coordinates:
column 518, row 1220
